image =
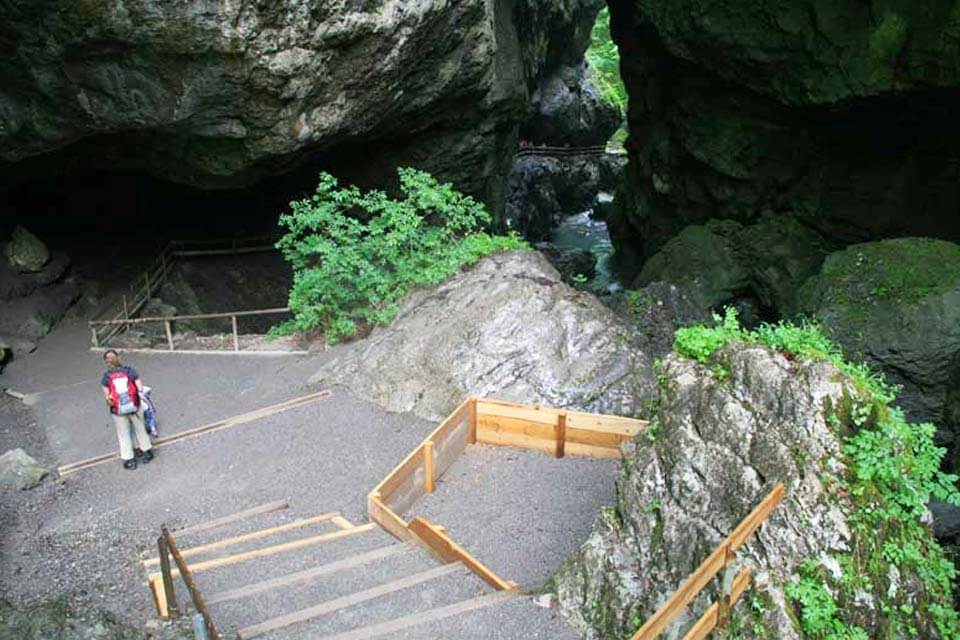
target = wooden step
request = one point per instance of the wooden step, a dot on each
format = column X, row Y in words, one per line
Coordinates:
column 346, row 601
column 405, row 622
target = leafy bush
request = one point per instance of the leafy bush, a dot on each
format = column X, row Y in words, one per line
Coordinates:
column 893, row 470
column 356, row 255
column 604, row 58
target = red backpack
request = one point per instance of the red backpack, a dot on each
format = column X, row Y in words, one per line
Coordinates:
column 124, row 397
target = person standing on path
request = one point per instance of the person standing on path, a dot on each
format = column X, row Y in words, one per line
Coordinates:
column 121, row 388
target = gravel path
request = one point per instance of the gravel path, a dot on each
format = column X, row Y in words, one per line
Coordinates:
column 520, row 512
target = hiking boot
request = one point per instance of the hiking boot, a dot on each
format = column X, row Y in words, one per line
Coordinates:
column 130, row 464
column 147, row 456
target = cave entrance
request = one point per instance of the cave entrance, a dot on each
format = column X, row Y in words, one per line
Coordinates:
column 114, row 225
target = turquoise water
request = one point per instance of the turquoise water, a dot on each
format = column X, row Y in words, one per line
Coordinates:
column 580, row 231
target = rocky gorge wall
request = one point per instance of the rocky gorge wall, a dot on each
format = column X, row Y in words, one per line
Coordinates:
column 221, row 94
column 839, row 113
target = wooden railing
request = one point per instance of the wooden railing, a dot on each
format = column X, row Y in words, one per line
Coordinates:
column 532, row 150
column 496, row 422
column 169, row 320
column 723, row 557
column 128, row 302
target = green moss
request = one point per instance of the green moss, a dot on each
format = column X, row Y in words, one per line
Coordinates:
column 888, row 39
column 902, row 269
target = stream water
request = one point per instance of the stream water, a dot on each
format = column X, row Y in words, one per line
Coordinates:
column 581, row 231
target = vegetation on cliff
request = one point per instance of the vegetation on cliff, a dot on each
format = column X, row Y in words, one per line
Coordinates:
column 604, row 59
column 356, row 255
column 893, row 470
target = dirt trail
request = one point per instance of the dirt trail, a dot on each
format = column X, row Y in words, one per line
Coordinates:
column 86, row 533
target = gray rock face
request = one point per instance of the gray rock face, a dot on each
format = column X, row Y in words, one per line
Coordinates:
column 760, row 266
column 507, row 328
column 571, row 263
column 35, row 316
column 840, row 112
column 541, row 191
column 25, row 252
column 19, row 471
column 221, row 94
column 566, row 109
column 19, row 285
column 657, row 311
column 719, row 449
column 896, row 305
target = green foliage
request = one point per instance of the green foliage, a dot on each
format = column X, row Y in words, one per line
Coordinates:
column 356, row 255
column 604, row 59
column 900, row 269
column 893, row 471
column 700, row 342
column 818, row 611
column 888, row 39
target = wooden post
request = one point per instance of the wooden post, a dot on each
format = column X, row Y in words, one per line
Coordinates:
column 236, row 337
column 472, row 421
column 729, row 573
column 96, row 337
column 173, row 610
column 561, row 433
column 126, row 312
column 191, row 585
column 166, row 324
column 428, row 466
column 146, row 279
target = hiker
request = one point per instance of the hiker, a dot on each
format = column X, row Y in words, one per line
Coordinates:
column 121, row 388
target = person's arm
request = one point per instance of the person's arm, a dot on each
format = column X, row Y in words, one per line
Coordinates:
column 106, row 395
column 136, row 379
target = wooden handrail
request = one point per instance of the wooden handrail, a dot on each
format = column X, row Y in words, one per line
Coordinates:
column 708, row 569
column 199, row 316
column 191, row 586
column 449, row 551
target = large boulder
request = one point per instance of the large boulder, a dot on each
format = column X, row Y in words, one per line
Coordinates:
column 759, row 268
column 842, row 112
column 25, row 252
column 717, row 447
column 252, row 89
column 896, row 305
column 568, row 110
column 18, row 285
column 542, row 190
column 509, row 328
column 35, row 316
column 18, row 470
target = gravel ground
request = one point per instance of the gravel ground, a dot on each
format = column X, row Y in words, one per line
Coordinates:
column 520, row 512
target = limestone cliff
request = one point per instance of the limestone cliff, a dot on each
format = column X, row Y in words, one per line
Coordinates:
column 838, row 112
column 219, row 94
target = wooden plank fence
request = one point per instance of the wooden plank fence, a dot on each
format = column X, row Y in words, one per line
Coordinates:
column 131, row 300
column 169, row 320
column 721, row 558
column 554, row 431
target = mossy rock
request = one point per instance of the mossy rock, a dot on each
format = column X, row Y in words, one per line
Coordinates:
column 26, row 253
column 896, row 304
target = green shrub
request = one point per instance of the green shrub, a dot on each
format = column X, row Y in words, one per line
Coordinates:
column 604, row 59
column 893, row 470
column 355, row 255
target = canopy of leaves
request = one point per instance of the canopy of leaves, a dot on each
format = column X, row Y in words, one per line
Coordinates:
column 356, row 255
column 604, row 59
